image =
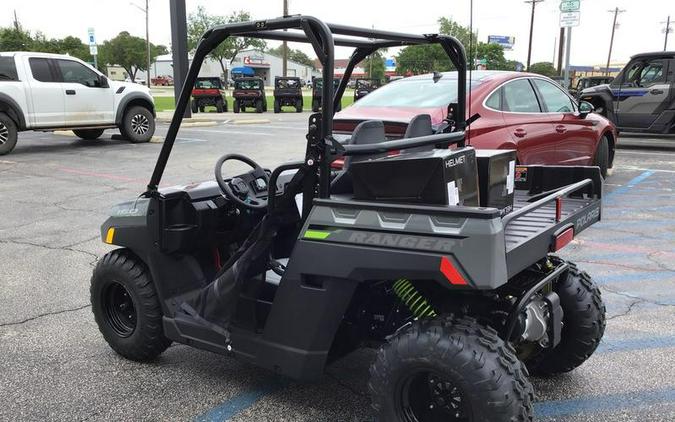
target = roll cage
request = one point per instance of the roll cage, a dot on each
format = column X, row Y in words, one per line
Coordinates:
column 321, row 147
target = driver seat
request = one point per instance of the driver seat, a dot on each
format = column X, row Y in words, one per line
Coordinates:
column 419, row 125
column 365, row 133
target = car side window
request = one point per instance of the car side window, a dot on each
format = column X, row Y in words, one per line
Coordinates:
column 78, row 73
column 39, row 67
column 519, row 97
column 494, row 101
column 646, row 73
column 553, row 98
column 8, row 69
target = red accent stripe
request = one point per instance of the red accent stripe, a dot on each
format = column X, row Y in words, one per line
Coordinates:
column 451, row 273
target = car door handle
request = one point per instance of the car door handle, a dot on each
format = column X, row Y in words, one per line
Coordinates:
column 656, row 91
column 70, row 92
column 520, row 132
column 561, row 129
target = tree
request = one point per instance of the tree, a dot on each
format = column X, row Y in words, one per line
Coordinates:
column 493, row 54
column 418, row 59
column 543, row 68
column 129, row 52
column 201, row 21
column 294, row 55
column 68, row 45
column 15, row 39
column 374, row 65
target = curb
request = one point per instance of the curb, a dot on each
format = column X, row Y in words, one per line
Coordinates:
column 248, row 122
column 198, row 124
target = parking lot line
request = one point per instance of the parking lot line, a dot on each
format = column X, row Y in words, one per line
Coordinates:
column 238, row 403
column 629, row 185
column 631, row 344
column 598, row 404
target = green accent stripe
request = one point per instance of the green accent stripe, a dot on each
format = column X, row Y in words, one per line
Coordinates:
column 316, row 234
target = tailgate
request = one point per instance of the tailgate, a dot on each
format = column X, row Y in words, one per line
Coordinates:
column 551, row 206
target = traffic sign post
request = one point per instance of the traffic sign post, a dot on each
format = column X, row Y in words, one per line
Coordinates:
column 570, row 16
column 570, row 5
column 569, row 19
column 93, row 48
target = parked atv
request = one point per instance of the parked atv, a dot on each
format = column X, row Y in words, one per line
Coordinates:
column 589, row 82
column 364, row 87
column 457, row 299
column 249, row 92
column 287, row 92
column 317, row 93
column 208, row 92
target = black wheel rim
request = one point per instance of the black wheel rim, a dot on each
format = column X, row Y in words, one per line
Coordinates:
column 428, row 396
column 119, row 309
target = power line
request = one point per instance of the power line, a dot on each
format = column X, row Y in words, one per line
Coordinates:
column 529, row 48
column 616, row 12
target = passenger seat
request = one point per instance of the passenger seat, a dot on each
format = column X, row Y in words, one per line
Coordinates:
column 368, row 132
column 419, row 125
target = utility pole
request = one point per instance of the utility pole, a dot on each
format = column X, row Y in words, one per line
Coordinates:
column 667, row 31
column 16, row 22
column 529, row 48
column 147, row 38
column 616, row 12
column 561, row 47
column 285, row 44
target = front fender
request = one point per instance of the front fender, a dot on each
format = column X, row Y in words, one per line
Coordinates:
column 134, row 98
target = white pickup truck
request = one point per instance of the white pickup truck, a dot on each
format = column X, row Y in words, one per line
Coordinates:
column 47, row 92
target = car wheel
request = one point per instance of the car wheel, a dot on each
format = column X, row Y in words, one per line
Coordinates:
column 88, row 134
column 8, row 134
column 138, row 124
column 602, row 156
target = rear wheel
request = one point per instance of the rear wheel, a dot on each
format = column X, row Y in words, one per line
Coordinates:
column 126, row 307
column 88, row 134
column 449, row 370
column 583, row 325
column 298, row 105
column 602, row 155
column 138, row 124
column 259, row 106
column 8, row 134
column 219, row 106
column 194, row 106
column 277, row 106
column 315, row 106
column 235, row 106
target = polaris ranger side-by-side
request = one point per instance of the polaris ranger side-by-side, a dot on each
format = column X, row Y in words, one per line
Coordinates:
column 208, row 92
column 317, row 94
column 295, row 268
column 364, row 87
column 287, row 92
column 249, row 92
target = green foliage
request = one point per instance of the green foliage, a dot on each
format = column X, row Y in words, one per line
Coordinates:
column 201, row 21
column 493, row 54
column 543, row 68
column 129, row 52
column 15, row 39
column 68, row 45
column 297, row 56
column 374, row 65
column 418, row 59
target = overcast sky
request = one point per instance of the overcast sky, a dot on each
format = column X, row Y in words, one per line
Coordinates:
column 640, row 26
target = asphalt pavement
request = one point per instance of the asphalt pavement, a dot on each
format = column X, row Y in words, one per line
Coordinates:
column 56, row 190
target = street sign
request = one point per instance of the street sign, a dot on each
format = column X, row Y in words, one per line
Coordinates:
column 93, row 50
column 569, row 6
column 505, row 41
column 91, row 37
column 569, row 19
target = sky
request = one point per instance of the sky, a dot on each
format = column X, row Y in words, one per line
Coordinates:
column 640, row 27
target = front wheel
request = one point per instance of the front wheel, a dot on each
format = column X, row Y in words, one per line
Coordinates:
column 450, row 369
column 8, row 134
column 138, row 124
column 88, row 134
column 602, row 156
column 583, row 325
column 126, row 307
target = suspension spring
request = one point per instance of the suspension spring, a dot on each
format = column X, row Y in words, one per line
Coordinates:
column 411, row 298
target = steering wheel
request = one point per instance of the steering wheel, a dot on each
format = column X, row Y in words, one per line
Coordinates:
column 238, row 189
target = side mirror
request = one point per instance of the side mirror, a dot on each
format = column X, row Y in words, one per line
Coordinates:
column 585, row 108
column 103, row 82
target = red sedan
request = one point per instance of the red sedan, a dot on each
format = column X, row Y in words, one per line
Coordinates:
column 526, row 112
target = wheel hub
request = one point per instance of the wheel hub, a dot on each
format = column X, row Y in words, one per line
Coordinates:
column 140, row 124
column 4, row 133
column 119, row 310
column 430, row 396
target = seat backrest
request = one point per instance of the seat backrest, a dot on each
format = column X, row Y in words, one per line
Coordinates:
column 419, row 125
column 367, row 132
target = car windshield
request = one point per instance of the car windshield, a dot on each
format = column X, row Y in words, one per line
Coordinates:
column 366, row 83
column 288, row 83
column 207, row 84
column 414, row 92
column 247, row 84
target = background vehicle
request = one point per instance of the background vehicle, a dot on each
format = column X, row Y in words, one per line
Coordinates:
column 249, row 92
column 162, row 80
column 642, row 96
column 453, row 296
column 363, row 87
column 40, row 91
column 208, row 92
column 588, row 82
column 287, row 92
column 317, row 94
column 521, row 111
column 139, row 81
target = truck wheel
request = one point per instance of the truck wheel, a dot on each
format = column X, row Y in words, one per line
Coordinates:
column 602, row 156
column 8, row 134
column 315, row 106
column 88, row 134
column 138, row 125
column 277, row 106
column 219, row 106
column 235, row 106
column 583, row 325
column 265, row 105
column 194, row 106
column 449, row 369
column 298, row 106
column 259, row 106
column 126, row 307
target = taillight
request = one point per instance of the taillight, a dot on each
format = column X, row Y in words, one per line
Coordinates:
column 563, row 238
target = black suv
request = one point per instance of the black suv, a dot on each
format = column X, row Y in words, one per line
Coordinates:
column 317, row 86
column 642, row 96
column 364, row 87
column 249, row 92
column 287, row 92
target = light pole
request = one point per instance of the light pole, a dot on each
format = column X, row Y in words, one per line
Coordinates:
column 147, row 38
column 616, row 12
column 529, row 48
